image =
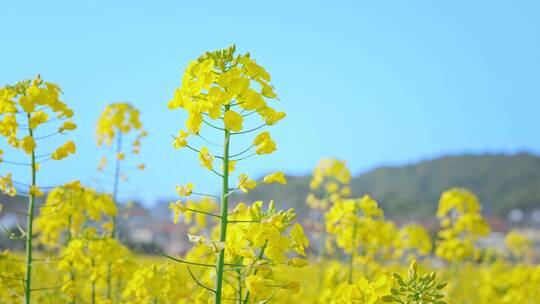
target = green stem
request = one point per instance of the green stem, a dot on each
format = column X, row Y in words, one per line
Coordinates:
column 351, row 257
column 93, row 299
column 224, row 215
column 72, row 271
column 29, row 225
column 116, row 181
column 239, row 278
column 114, row 195
column 322, row 251
column 259, row 257
column 109, row 281
column 155, row 301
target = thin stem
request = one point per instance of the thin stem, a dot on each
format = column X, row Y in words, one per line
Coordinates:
column 247, row 131
column 43, row 155
column 203, row 212
column 238, row 154
column 29, row 225
column 25, row 126
column 72, row 269
column 27, row 185
column 13, row 292
column 247, row 114
column 199, row 283
column 259, row 257
column 14, row 163
column 351, row 257
column 11, row 278
column 52, row 287
column 193, row 149
column 205, row 194
column 186, row 262
column 210, row 142
column 211, row 125
column 93, row 298
column 224, row 214
column 322, row 249
column 239, row 280
column 116, row 181
column 245, row 157
column 114, row 235
column 48, row 135
column 198, row 151
column 221, row 175
column 45, row 160
column 236, row 104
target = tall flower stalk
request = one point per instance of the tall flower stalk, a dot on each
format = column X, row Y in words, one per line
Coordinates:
column 37, row 101
column 462, row 225
column 227, row 88
column 224, row 210
column 30, row 218
column 329, row 184
column 116, row 124
column 356, row 224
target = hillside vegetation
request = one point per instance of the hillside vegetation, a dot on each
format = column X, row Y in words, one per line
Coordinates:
column 502, row 182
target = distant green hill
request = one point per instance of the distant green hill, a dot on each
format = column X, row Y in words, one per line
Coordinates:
column 502, row 182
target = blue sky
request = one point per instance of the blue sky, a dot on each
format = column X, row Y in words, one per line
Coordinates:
column 378, row 83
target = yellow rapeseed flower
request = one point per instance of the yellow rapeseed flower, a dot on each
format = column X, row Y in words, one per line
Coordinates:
column 278, row 177
column 206, row 159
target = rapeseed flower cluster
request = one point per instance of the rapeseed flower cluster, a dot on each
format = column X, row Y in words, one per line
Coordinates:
column 462, row 224
column 221, row 90
column 28, row 106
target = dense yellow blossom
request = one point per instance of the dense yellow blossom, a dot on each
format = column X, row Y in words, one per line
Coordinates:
column 158, row 283
column 39, row 100
column 330, row 169
column 27, row 106
column 462, row 225
column 414, row 239
column 220, row 79
column 117, row 122
column 362, row 291
column 11, row 289
column 332, row 177
column 91, row 257
column 118, row 118
column 68, row 209
column 519, row 245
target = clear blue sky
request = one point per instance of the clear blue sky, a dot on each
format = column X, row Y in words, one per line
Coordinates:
column 390, row 82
